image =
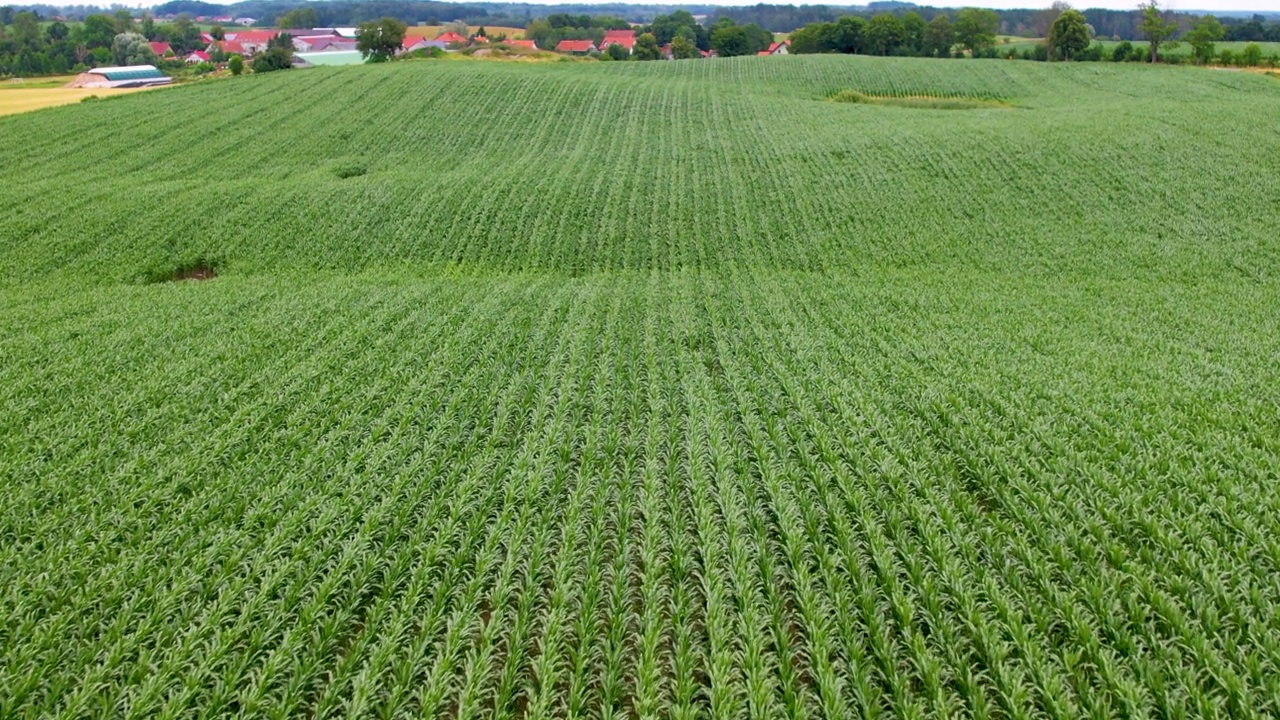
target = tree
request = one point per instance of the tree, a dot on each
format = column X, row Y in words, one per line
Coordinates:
column 123, row 21
column 1042, row 21
column 380, row 40
column 884, row 33
column 236, row 64
column 58, row 31
column 731, row 41
column 814, row 38
column 1156, row 29
column 666, row 27
column 1202, row 36
column 1069, row 35
column 185, row 36
column 913, row 29
column 282, row 41
column 1122, row 52
column 647, row 48
column 132, row 49
column 148, row 28
column 217, row 33
column 298, row 18
column 97, row 31
column 939, row 36
column 849, row 34
column 976, row 29
column 273, row 60
column 481, row 33
column 616, row 51
column 683, row 49
column 26, row 30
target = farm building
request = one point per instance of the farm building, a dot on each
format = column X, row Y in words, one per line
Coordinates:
column 451, row 38
column 778, row 48
column 341, row 57
column 197, row 56
column 625, row 38
column 526, row 44
column 577, row 47
column 132, row 76
column 229, row 47
column 327, row 43
column 412, row 44
column 161, row 49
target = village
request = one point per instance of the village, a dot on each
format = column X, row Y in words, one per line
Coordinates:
column 338, row 46
column 328, row 46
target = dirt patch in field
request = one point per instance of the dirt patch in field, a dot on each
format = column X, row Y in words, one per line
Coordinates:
column 917, row 102
column 197, row 271
column 349, row 170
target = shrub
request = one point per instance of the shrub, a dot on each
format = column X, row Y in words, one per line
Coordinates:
column 1251, row 56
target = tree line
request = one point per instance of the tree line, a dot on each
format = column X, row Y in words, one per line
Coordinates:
column 1067, row 34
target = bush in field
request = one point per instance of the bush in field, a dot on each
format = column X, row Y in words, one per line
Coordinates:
column 1251, row 56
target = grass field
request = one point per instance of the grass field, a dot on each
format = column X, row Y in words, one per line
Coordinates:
column 645, row 390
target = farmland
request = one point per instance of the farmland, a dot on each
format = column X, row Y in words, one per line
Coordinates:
column 22, row 99
column 645, row 390
column 431, row 31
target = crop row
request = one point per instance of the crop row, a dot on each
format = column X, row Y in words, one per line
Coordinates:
column 660, row 166
column 688, row 495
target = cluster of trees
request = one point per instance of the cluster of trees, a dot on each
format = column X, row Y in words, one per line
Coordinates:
column 972, row 32
column 549, row 31
column 730, row 39
column 1070, row 37
column 972, row 29
column 28, row 49
column 1255, row 29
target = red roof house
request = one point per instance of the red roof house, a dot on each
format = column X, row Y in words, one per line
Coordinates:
column 776, row 49
column 198, row 56
column 230, row 47
column 625, row 38
column 451, row 37
column 160, row 49
column 527, row 44
column 575, row 46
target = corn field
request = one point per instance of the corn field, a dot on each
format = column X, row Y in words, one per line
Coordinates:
column 653, row 390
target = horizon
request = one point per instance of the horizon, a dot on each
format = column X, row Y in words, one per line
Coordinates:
column 1194, row 7
column 1185, row 6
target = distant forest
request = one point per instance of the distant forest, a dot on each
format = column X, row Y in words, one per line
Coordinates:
column 1118, row 24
